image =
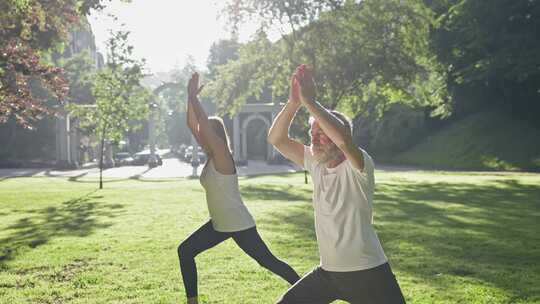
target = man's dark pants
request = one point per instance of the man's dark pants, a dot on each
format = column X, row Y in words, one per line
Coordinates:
column 371, row 286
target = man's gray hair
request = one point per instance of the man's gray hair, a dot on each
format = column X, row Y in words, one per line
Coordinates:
column 344, row 120
column 341, row 117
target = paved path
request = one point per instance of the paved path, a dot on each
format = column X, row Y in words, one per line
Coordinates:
column 171, row 168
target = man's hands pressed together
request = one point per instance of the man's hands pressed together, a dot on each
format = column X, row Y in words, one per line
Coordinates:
column 308, row 89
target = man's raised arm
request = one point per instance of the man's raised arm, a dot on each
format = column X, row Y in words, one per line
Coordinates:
column 336, row 130
column 278, row 135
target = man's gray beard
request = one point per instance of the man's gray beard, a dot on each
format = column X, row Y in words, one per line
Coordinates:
column 324, row 153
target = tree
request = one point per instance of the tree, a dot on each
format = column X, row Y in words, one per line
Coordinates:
column 80, row 71
column 121, row 102
column 30, row 31
column 372, row 54
column 491, row 51
column 245, row 78
column 172, row 95
column 288, row 13
column 286, row 16
column 366, row 55
column 220, row 53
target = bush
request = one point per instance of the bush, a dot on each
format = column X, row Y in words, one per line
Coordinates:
column 400, row 128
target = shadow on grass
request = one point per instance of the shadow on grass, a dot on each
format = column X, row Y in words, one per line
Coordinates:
column 300, row 217
column 278, row 174
column 291, row 216
column 137, row 177
column 486, row 233
column 274, row 193
column 76, row 217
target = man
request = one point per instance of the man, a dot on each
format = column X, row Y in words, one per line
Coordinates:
column 353, row 265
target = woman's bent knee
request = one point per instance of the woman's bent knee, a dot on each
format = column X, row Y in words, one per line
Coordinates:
column 184, row 251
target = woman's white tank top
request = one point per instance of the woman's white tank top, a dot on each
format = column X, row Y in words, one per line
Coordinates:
column 225, row 205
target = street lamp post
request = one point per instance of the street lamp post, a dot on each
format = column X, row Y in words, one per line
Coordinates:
column 194, row 156
column 152, row 160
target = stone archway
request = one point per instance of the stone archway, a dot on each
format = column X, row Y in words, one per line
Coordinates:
column 257, row 132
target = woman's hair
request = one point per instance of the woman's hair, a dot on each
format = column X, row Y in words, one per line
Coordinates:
column 219, row 127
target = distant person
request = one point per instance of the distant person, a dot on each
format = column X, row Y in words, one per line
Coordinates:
column 353, row 265
column 229, row 217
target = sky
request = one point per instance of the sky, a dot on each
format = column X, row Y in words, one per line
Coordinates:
column 166, row 32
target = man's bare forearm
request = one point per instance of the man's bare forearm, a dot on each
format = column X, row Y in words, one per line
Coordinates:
column 280, row 128
column 331, row 126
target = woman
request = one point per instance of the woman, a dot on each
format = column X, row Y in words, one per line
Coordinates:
column 229, row 217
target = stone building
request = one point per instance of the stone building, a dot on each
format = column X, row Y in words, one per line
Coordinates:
column 249, row 131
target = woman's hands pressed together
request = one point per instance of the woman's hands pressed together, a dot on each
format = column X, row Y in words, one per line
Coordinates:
column 193, row 87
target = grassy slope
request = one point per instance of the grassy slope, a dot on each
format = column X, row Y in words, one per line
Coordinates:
column 484, row 141
column 451, row 238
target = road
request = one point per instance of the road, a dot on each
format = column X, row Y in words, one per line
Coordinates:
column 171, row 168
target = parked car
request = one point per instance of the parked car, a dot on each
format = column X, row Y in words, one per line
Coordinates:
column 189, row 152
column 123, row 159
column 178, row 150
column 182, row 150
column 141, row 159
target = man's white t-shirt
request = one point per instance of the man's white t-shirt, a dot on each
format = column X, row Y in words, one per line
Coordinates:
column 343, row 199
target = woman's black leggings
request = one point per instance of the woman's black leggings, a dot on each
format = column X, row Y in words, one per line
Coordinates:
column 249, row 240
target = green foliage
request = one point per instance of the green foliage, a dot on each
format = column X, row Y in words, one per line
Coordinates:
column 120, row 99
column 174, row 93
column 38, row 143
column 492, row 53
column 220, row 53
column 373, row 54
column 29, row 31
column 283, row 12
column 440, row 57
column 80, row 71
column 247, row 77
column 23, row 144
column 399, row 128
column 173, row 97
column 366, row 56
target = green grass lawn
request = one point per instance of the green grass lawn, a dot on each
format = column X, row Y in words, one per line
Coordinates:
column 450, row 237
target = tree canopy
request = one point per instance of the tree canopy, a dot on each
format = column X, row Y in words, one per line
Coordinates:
column 30, row 31
column 119, row 97
column 445, row 56
column 492, row 52
column 366, row 56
